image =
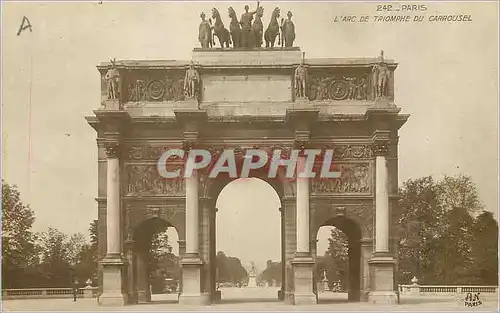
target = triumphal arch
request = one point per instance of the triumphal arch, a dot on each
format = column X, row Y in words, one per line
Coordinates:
column 240, row 98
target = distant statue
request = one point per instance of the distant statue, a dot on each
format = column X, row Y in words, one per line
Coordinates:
column 246, row 28
column 219, row 30
column 273, row 29
column 112, row 79
column 253, row 270
column 300, row 80
column 205, row 32
column 234, row 28
column 288, row 30
column 258, row 27
column 191, row 82
column 380, row 76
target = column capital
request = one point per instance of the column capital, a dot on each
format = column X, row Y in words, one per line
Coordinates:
column 301, row 143
column 112, row 149
column 380, row 148
column 188, row 145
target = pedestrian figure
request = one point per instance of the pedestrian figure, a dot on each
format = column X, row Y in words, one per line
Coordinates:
column 75, row 290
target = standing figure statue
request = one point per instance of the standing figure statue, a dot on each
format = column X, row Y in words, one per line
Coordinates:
column 273, row 29
column 246, row 28
column 380, row 76
column 253, row 270
column 288, row 30
column 205, row 32
column 112, row 79
column 234, row 28
column 219, row 30
column 191, row 82
column 300, row 80
column 258, row 27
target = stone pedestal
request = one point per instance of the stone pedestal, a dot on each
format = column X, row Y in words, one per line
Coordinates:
column 191, row 282
column 252, row 281
column 112, row 105
column 382, row 268
column 301, row 103
column 217, row 295
column 303, row 280
column 382, row 103
column 281, row 295
column 113, row 293
column 188, row 104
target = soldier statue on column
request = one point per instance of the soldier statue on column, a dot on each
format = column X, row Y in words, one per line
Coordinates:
column 380, row 76
column 112, row 79
column 301, row 79
column 191, row 82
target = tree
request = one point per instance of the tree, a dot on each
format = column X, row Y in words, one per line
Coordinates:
column 94, row 236
column 419, row 228
column 19, row 251
column 453, row 263
column 87, row 258
column 485, row 248
column 271, row 273
column 336, row 259
column 229, row 269
column 55, row 259
column 163, row 263
column 437, row 231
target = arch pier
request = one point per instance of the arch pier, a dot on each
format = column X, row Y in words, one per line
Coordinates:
column 238, row 100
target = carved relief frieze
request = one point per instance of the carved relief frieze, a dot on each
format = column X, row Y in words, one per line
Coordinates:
column 144, row 180
column 147, row 152
column 354, row 152
column 339, row 87
column 355, row 178
column 170, row 87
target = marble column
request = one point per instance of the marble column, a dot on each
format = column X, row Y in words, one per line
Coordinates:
column 113, row 263
column 303, row 262
column 192, row 215
column 191, row 262
column 381, row 203
column 182, row 251
column 281, row 292
column 302, row 211
column 382, row 262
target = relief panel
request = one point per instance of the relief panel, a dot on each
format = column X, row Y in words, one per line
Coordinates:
column 355, row 178
column 251, row 88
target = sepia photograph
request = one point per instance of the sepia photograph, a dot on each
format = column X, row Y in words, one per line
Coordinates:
column 250, row 156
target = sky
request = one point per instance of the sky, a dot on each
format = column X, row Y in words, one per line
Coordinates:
column 446, row 80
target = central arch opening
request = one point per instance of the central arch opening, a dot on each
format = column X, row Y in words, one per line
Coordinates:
column 248, row 241
column 338, row 258
column 156, row 268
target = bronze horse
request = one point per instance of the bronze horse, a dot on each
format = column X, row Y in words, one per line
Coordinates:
column 273, row 29
column 258, row 27
column 234, row 28
column 219, row 30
